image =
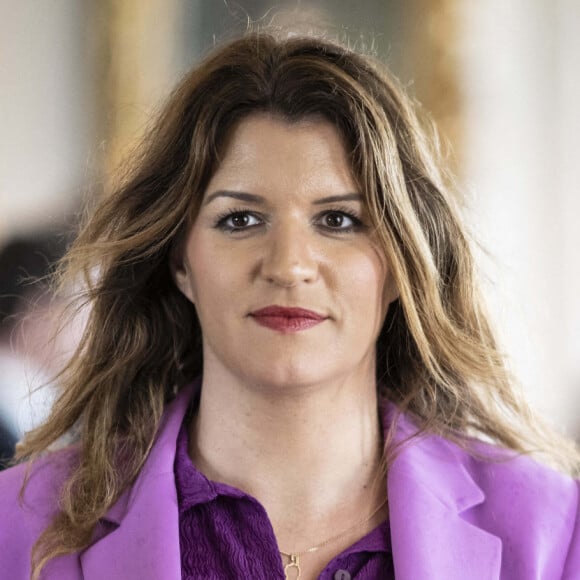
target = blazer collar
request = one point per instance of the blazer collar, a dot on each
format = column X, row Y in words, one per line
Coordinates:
column 430, row 495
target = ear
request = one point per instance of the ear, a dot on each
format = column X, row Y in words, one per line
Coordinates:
column 180, row 273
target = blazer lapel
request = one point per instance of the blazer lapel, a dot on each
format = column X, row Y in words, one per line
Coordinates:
column 145, row 543
column 430, row 494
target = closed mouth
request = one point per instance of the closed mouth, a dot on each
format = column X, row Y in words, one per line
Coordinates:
column 288, row 312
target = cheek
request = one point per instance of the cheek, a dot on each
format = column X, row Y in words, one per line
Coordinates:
column 213, row 273
column 370, row 283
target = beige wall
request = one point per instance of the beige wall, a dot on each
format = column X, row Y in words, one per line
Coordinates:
column 521, row 82
column 46, row 111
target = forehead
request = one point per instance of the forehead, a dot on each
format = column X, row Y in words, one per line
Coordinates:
column 264, row 149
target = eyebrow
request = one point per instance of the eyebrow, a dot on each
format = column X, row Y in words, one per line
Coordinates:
column 258, row 199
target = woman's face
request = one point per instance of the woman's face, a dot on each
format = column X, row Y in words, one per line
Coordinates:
column 269, row 234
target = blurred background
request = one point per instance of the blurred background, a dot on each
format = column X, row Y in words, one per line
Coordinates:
column 79, row 81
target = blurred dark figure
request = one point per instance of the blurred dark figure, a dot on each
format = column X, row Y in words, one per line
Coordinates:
column 7, row 444
column 25, row 263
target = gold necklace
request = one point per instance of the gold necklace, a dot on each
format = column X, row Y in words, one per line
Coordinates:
column 294, row 557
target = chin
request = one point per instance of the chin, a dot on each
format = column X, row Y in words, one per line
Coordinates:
column 286, row 377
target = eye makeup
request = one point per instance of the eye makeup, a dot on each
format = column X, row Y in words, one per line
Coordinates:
column 222, row 219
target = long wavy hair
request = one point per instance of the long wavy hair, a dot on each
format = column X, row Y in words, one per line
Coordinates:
column 437, row 358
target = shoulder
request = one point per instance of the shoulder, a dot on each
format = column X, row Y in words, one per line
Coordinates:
column 502, row 475
column 531, row 509
column 26, row 513
column 517, row 479
column 534, row 509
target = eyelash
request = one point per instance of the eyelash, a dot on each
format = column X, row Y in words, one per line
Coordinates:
column 220, row 222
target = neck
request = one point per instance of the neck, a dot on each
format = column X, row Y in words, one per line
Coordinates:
column 307, row 454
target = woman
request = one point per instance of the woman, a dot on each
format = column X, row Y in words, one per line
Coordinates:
column 287, row 370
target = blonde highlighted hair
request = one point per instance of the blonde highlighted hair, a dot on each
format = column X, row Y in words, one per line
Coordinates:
column 437, row 357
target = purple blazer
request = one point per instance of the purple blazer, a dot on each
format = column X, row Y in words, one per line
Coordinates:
column 452, row 517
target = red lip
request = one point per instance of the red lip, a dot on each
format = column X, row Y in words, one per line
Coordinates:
column 287, row 320
column 285, row 312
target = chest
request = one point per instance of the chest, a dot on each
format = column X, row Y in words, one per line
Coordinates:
column 230, row 538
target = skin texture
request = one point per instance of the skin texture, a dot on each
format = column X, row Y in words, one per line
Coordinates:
column 290, row 418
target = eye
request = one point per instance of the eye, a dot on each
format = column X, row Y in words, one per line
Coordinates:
column 337, row 220
column 235, row 220
column 340, row 220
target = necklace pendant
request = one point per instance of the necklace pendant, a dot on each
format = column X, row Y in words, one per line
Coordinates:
column 294, row 563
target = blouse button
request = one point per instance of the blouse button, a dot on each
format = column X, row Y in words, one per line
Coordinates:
column 342, row 575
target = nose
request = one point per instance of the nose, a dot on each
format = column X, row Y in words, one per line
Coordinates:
column 289, row 257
